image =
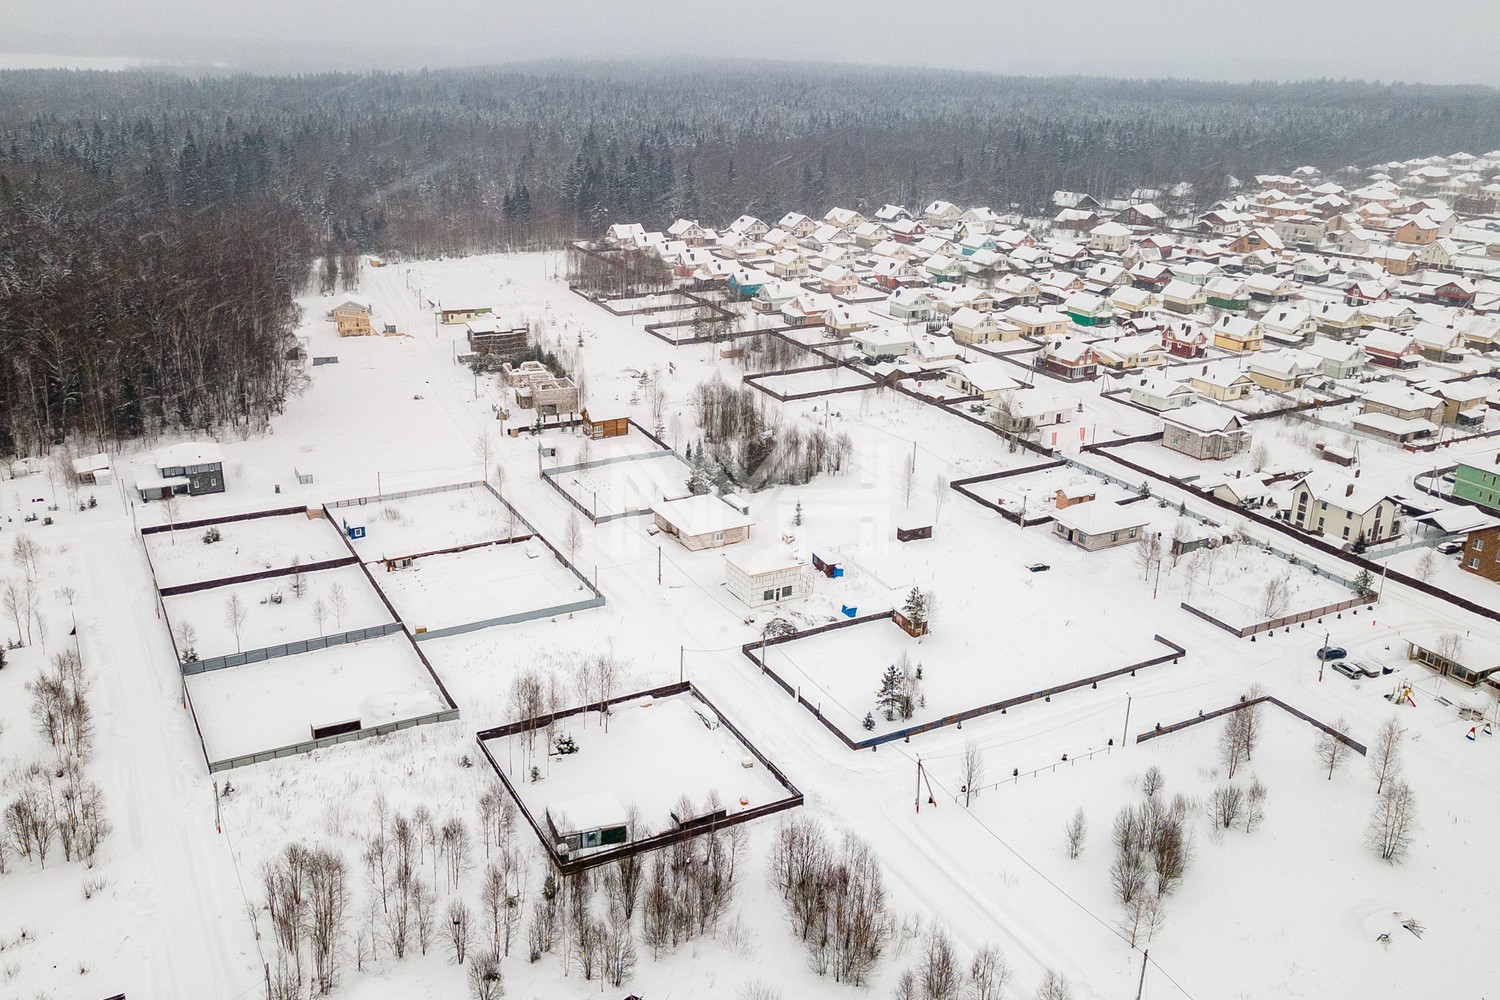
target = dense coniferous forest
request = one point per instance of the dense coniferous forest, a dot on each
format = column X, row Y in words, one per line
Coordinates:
column 155, row 228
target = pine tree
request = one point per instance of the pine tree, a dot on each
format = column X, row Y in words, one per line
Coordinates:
column 797, row 514
column 915, row 609
column 891, row 698
column 1364, row 584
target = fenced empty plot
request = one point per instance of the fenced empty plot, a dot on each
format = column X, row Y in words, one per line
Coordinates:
column 240, row 547
column 811, row 382
column 393, row 526
column 958, row 672
column 621, row 480
column 660, row 767
column 280, row 707
column 495, row 584
column 260, row 619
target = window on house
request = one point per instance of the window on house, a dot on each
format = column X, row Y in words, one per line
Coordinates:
column 1479, row 545
column 785, row 592
column 769, row 595
column 1473, row 562
column 718, row 536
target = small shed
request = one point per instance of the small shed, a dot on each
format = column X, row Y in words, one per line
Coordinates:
column 761, row 576
column 604, row 427
column 93, row 470
column 913, row 532
column 588, row 824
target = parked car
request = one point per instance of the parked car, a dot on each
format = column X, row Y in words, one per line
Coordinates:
column 1362, row 669
column 1451, row 548
column 1349, row 670
column 1038, row 567
column 1328, row 653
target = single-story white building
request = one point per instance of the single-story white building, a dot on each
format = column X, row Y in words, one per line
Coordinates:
column 766, row 575
column 702, row 522
column 1099, row 524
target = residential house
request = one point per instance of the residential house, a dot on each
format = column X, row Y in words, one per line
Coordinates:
column 1472, row 659
column 1258, row 239
column 1069, row 358
column 910, row 305
column 1387, row 313
column 843, row 218
column 773, row 295
column 1131, row 301
column 1338, row 320
column 838, row 281
column 1481, row 333
column 488, row 335
column 1078, row 220
column 1418, row 231
column 1270, row 288
column 1438, row 343
column 1222, row 384
column 1185, row 340
column 1088, row 309
column 789, row 264
column 1100, row 524
column 462, row 314
column 797, row 224
column 1481, row 554
column 1238, row 334
column 940, row 267
column 984, row 380
column 1478, row 482
column 942, row 213
column 1110, row 237
column 1033, row 409
column 882, row 340
column 1204, row 431
column 969, row 326
column 1082, row 489
column 1144, row 215
column 1283, row 370
column 846, row 319
column 750, row 226
column 1463, row 402
column 1339, row 359
column 1390, row 349
column 807, row 309
column 892, row 213
column 1342, row 508
column 1037, row 323
column 1292, row 325
column 191, row 468
column 1227, row 293
column 702, row 522
column 1131, row 353
column 1153, row 390
column 1183, row 297
column 351, row 318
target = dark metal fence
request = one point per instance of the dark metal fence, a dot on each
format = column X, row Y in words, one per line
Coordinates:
column 570, row 866
column 1202, row 717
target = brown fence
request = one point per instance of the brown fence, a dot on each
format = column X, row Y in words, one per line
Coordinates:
column 1275, row 623
column 227, row 519
column 1201, row 717
column 571, row 866
column 961, row 486
column 264, row 574
column 786, row 397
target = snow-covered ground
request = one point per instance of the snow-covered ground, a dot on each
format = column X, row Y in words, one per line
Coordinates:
column 626, row 486
column 269, row 623
column 428, row 522
column 182, row 557
column 1292, row 909
column 475, row 585
column 653, row 752
column 264, row 706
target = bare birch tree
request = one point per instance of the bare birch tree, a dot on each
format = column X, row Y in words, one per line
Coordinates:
column 1332, row 751
column 1385, row 756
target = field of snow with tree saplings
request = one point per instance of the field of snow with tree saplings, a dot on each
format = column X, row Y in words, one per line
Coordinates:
column 428, row 522
column 242, row 547
column 492, row 581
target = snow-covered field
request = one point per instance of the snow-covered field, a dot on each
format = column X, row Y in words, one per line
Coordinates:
column 621, row 487
column 429, row 522
column 652, row 753
column 963, row 665
column 814, row 381
column 268, row 623
column 182, row 556
column 475, row 585
column 1293, row 909
column 263, row 706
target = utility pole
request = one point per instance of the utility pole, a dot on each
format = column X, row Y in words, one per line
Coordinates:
column 681, row 664
column 1140, row 988
column 919, row 784
column 1125, row 736
column 658, row 565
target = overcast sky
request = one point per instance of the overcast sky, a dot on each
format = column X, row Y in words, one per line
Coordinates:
column 1450, row 42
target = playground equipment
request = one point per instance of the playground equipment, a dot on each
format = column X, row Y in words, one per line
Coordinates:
column 1402, row 695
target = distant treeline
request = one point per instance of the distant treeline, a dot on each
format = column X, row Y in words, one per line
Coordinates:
column 154, row 228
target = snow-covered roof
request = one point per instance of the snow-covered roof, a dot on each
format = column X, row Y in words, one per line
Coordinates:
column 761, row 560
column 1204, row 417
column 1099, row 516
column 188, row 453
column 700, row 515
